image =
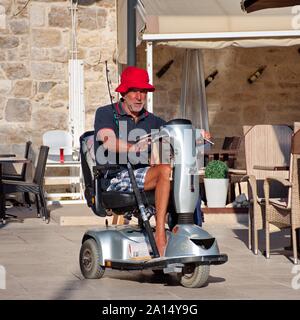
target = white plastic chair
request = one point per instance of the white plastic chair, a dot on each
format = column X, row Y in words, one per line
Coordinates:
column 55, row 140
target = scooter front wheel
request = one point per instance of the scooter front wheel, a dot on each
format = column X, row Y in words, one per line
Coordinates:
column 89, row 260
column 193, row 275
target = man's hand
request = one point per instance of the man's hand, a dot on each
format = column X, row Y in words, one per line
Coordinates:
column 206, row 134
column 142, row 145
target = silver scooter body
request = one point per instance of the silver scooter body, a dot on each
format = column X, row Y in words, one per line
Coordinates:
column 127, row 247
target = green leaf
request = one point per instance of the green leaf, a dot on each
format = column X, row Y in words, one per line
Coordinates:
column 216, row 169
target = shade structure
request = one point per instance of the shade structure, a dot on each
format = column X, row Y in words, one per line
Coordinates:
column 255, row 5
column 207, row 24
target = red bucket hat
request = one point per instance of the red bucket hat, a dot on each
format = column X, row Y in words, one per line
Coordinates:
column 133, row 77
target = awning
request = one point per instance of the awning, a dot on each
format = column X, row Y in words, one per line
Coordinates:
column 216, row 24
column 255, row 5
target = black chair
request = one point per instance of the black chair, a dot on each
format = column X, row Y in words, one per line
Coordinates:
column 36, row 186
column 232, row 144
column 22, row 175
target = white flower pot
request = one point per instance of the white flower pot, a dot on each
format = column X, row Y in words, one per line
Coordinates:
column 216, row 192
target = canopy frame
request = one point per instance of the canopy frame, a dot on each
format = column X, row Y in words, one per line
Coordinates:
column 152, row 39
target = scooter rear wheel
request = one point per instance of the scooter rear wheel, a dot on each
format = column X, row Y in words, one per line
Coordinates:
column 89, row 260
column 193, row 275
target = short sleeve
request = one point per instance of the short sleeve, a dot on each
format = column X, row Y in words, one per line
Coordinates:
column 103, row 119
column 160, row 122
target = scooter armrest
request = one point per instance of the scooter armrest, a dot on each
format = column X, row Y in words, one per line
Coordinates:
column 104, row 167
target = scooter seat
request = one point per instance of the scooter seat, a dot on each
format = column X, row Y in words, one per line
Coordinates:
column 125, row 200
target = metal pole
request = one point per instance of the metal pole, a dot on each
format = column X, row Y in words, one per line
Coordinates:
column 131, row 32
column 150, row 72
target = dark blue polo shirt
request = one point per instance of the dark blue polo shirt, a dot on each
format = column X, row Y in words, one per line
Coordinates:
column 107, row 117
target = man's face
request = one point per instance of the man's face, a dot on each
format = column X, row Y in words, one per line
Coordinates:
column 135, row 99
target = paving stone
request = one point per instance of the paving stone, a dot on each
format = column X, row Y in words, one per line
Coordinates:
column 41, row 262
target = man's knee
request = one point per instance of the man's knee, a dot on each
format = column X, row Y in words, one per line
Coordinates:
column 164, row 171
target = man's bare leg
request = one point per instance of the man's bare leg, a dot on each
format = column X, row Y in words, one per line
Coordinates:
column 158, row 178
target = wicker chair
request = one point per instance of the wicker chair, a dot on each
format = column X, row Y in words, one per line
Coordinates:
column 285, row 213
column 267, row 151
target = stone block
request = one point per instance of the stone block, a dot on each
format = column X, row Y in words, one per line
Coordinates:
column 283, row 117
column 87, row 18
column 5, row 87
column 2, row 56
column 12, row 55
column 254, row 114
column 89, row 38
column 19, row 26
column 112, row 22
column 42, row 38
column 289, row 85
column 37, row 15
column 280, row 108
column 39, row 54
column 174, row 96
column 42, row 71
column 24, row 53
column 18, row 110
column 59, row 92
column 44, row 120
column 94, row 92
column 23, row 89
column 15, row 70
column 46, row 86
column 59, row 55
column 225, row 118
column 8, row 42
column 59, row 17
column 14, row 134
column 2, row 106
column 57, row 105
column 105, row 3
column 47, row 71
column 101, row 18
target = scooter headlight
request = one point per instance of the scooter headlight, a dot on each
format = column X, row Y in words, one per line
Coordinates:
column 204, row 243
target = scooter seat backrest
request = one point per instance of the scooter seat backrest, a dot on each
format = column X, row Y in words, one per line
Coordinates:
column 87, row 164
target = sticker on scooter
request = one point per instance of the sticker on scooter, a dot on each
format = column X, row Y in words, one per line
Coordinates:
column 138, row 251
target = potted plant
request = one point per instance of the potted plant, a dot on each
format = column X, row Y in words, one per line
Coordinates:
column 216, row 183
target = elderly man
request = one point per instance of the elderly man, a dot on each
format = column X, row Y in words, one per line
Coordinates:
column 115, row 125
column 127, row 115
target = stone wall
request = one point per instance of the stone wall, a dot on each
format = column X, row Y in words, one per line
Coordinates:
column 35, row 44
column 35, row 47
column 232, row 102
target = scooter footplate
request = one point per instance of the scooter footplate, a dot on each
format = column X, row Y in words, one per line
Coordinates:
column 164, row 262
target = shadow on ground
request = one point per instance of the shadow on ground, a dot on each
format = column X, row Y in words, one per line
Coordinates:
column 279, row 241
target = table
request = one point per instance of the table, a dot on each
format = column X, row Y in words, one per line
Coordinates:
column 225, row 155
column 2, row 195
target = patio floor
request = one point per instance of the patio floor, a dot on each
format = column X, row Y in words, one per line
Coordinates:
column 41, row 262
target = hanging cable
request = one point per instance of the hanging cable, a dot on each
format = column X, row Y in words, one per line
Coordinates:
column 108, row 83
column 22, row 9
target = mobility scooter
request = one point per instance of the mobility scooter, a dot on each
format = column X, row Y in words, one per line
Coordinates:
column 190, row 250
